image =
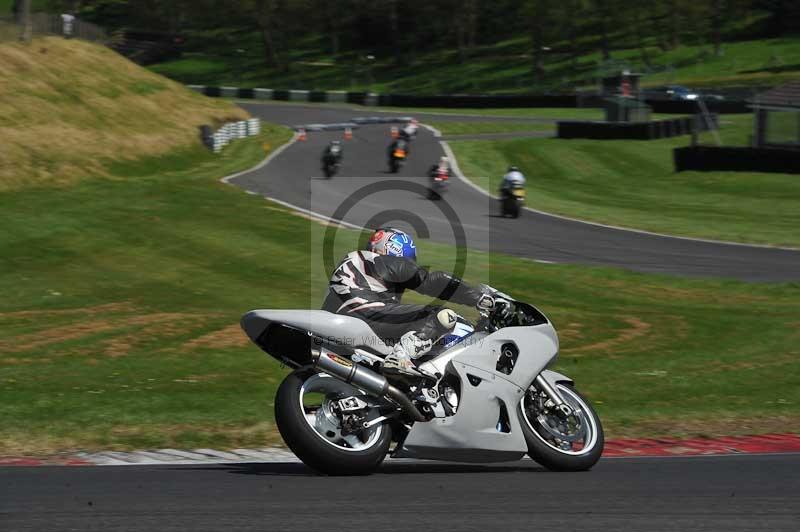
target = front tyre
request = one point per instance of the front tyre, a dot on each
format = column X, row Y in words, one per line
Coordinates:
column 314, row 432
column 559, row 443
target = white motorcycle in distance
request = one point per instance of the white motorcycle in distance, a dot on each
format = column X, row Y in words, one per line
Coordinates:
column 487, row 395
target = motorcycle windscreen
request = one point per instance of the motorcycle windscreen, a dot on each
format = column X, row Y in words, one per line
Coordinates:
column 461, row 331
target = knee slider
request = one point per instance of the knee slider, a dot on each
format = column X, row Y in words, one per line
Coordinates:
column 447, row 318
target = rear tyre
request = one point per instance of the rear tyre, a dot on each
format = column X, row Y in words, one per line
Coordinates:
column 574, row 444
column 313, row 434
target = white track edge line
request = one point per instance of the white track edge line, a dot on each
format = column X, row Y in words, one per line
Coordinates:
column 263, row 163
column 317, row 215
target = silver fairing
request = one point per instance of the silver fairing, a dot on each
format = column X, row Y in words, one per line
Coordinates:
column 472, row 434
column 333, row 328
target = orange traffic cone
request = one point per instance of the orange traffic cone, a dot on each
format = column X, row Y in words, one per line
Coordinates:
column 395, row 132
column 348, row 133
column 301, row 134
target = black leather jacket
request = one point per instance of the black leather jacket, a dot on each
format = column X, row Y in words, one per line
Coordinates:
column 373, row 277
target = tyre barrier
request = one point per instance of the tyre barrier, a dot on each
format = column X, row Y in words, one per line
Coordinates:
column 326, row 127
column 654, row 129
column 475, row 101
column 737, row 159
column 382, row 119
column 355, row 123
column 216, row 140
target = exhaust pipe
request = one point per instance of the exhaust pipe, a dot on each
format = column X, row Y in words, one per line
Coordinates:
column 360, row 377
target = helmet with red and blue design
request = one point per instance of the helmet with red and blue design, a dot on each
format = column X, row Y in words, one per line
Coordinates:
column 392, row 242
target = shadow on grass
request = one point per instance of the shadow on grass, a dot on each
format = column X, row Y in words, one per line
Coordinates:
column 774, row 70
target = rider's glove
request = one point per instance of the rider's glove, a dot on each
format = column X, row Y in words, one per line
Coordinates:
column 489, row 303
column 485, row 303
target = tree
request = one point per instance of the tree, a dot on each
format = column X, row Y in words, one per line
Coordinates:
column 716, row 23
column 538, row 12
column 465, row 25
column 603, row 12
column 265, row 16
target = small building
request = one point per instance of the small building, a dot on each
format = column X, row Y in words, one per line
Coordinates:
column 621, row 91
column 622, row 83
column 776, row 121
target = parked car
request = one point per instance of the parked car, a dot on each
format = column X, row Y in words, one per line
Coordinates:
column 677, row 93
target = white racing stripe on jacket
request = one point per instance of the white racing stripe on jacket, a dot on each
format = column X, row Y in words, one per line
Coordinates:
column 349, row 302
column 368, row 305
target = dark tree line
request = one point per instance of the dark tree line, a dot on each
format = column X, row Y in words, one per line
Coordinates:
column 401, row 29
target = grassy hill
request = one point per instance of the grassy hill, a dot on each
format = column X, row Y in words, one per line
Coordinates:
column 68, row 109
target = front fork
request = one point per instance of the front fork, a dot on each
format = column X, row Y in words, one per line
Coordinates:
column 552, row 393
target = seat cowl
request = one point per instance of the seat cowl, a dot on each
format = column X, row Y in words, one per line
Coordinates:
column 334, row 328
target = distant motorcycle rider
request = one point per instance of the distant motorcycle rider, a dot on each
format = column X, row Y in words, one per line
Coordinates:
column 442, row 169
column 513, row 178
column 400, row 142
column 410, row 130
column 370, row 284
column 333, row 153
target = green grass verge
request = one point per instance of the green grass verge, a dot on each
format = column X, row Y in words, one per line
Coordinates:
column 633, row 184
column 119, row 321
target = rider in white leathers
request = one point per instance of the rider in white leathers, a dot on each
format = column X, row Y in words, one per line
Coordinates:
column 512, row 178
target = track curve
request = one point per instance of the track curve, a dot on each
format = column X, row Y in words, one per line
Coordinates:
column 293, row 177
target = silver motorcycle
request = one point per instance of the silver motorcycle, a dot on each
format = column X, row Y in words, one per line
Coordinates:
column 485, row 394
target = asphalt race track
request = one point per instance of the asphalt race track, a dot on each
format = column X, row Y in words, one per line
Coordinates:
column 294, row 176
column 732, row 493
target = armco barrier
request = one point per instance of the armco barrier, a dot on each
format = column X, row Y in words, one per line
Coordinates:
column 692, row 106
column 472, row 101
column 655, row 129
column 732, row 158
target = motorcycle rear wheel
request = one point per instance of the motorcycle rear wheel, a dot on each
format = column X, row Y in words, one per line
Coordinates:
column 313, row 434
column 562, row 445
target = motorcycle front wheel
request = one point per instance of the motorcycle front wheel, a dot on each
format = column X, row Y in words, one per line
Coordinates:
column 558, row 442
column 307, row 418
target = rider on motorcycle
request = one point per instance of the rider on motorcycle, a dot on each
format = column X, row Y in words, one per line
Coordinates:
column 513, row 178
column 369, row 285
column 409, row 131
column 333, row 153
column 442, row 168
